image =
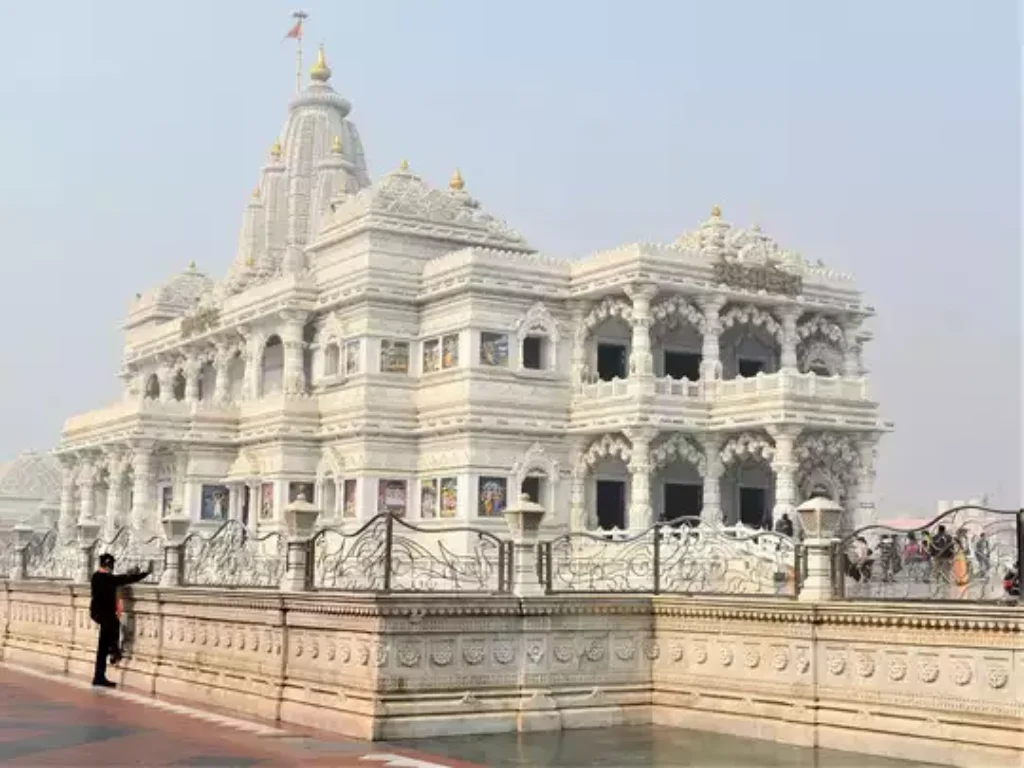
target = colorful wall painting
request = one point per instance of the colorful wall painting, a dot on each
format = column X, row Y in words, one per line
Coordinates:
column 493, row 496
column 300, row 489
column 494, row 349
column 431, row 356
column 214, row 504
column 351, row 357
column 394, row 356
column 449, row 497
column 428, row 498
column 349, row 500
column 266, row 501
column 450, row 351
column 391, row 497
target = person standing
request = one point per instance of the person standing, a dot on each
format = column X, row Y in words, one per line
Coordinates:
column 103, row 610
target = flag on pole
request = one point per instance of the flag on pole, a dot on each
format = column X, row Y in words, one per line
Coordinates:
column 295, row 32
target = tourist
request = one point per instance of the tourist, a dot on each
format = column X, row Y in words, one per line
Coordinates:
column 982, row 554
column 941, row 550
column 1011, row 581
column 784, row 525
column 103, row 609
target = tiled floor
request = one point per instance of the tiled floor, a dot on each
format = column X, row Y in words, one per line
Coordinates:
column 58, row 722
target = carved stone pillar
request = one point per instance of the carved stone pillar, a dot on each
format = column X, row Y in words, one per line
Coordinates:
column 788, row 359
column 191, row 371
column 291, row 337
column 711, row 512
column 86, row 488
column 252, row 384
column 578, row 487
column 711, row 364
column 115, row 500
column 851, row 348
column 165, row 377
column 784, row 466
column 143, row 514
column 222, row 366
column 641, row 361
column 641, row 514
column 864, row 511
column 578, row 363
column 68, row 518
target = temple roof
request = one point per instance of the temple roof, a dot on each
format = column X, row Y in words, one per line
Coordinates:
column 30, row 476
column 171, row 299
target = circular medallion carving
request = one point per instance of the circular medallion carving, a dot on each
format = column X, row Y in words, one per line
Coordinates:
column 865, row 665
column 594, row 651
column 346, row 653
column 676, row 651
column 962, row 673
column 751, row 658
column 700, row 654
column 314, row 649
column 928, row 671
column 363, row 654
column 725, row 656
column 332, row 652
column 564, row 651
column 998, row 677
column 442, row 654
column 651, row 650
column 535, row 651
column 836, row 663
column 504, row 652
column 625, row 651
column 780, row 659
column 802, row 662
column 897, row 670
column 408, row 656
column 473, row 653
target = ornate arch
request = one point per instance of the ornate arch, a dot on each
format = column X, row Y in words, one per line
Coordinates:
column 537, row 319
column 535, row 458
column 329, row 466
column 827, row 458
column 605, row 447
column 682, row 448
column 753, row 446
column 819, row 354
column 608, row 307
column 753, row 317
column 825, row 328
column 675, row 309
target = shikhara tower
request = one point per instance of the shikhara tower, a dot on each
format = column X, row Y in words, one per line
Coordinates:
column 390, row 345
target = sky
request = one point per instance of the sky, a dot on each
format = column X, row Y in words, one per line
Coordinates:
column 880, row 137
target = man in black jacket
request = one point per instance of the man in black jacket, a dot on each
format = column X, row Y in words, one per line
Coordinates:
column 103, row 610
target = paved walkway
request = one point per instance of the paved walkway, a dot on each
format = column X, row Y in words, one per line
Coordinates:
column 57, row 721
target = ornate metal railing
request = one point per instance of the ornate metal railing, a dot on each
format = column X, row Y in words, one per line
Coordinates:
column 680, row 557
column 233, row 557
column 48, row 558
column 390, row 555
column 966, row 553
column 132, row 551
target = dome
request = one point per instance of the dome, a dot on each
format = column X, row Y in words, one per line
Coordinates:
column 30, row 476
column 318, row 154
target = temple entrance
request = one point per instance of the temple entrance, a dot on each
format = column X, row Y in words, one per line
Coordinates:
column 683, row 500
column 753, row 506
column 611, row 504
column 611, row 361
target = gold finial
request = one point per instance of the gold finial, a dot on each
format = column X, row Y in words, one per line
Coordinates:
column 403, row 166
column 250, row 261
column 320, row 71
column 275, row 149
column 455, row 182
column 256, row 191
column 716, row 212
column 336, row 145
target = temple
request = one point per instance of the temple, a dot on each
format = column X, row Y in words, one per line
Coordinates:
column 391, row 346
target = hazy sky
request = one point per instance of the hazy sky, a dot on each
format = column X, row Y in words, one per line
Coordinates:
column 881, row 137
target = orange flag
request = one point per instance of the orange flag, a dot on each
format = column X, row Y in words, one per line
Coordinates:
column 296, row 31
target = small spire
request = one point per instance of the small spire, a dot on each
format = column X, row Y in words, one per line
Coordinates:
column 403, row 166
column 275, row 149
column 336, row 145
column 192, row 265
column 256, row 192
column 716, row 212
column 456, row 183
column 320, row 72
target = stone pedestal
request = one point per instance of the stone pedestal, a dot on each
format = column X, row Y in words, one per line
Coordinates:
column 175, row 531
column 524, row 519
column 300, row 518
column 88, row 532
column 820, row 518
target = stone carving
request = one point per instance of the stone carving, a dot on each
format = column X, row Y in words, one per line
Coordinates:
column 676, row 652
column 442, row 653
column 651, row 649
column 865, row 664
column 768, row 277
column 747, row 446
column 803, row 663
column 605, row 447
column 836, row 663
column 679, row 446
column 674, row 310
column 409, row 655
column 927, row 671
column 564, row 651
column 504, row 651
column 725, row 656
column 780, row 659
column 473, row 652
column 962, row 673
column 751, row 658
column 829, row 456
column 752, row 317
column 998, row 676
column 700, row 654
column 625, row 650
column 535, row 651
column 594, row 651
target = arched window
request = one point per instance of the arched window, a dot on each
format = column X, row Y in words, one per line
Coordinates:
column 273, row 366
column 178, row 388
column 332, row 359
column 537, row 335
column 153, row 387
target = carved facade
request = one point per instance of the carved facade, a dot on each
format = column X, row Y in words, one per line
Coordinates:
column 391, row 346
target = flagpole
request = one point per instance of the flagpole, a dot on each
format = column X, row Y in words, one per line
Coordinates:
column 300, row 17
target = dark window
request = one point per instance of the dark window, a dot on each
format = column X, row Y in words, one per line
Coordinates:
column 611, row 504
column 683, row 501
column 682, row 365
column 531, row 487
column 749, row 368
column 753, row 504
column 533, row 352
column 611, row 362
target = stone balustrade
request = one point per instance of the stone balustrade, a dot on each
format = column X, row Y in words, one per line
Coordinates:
column 941, row 684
